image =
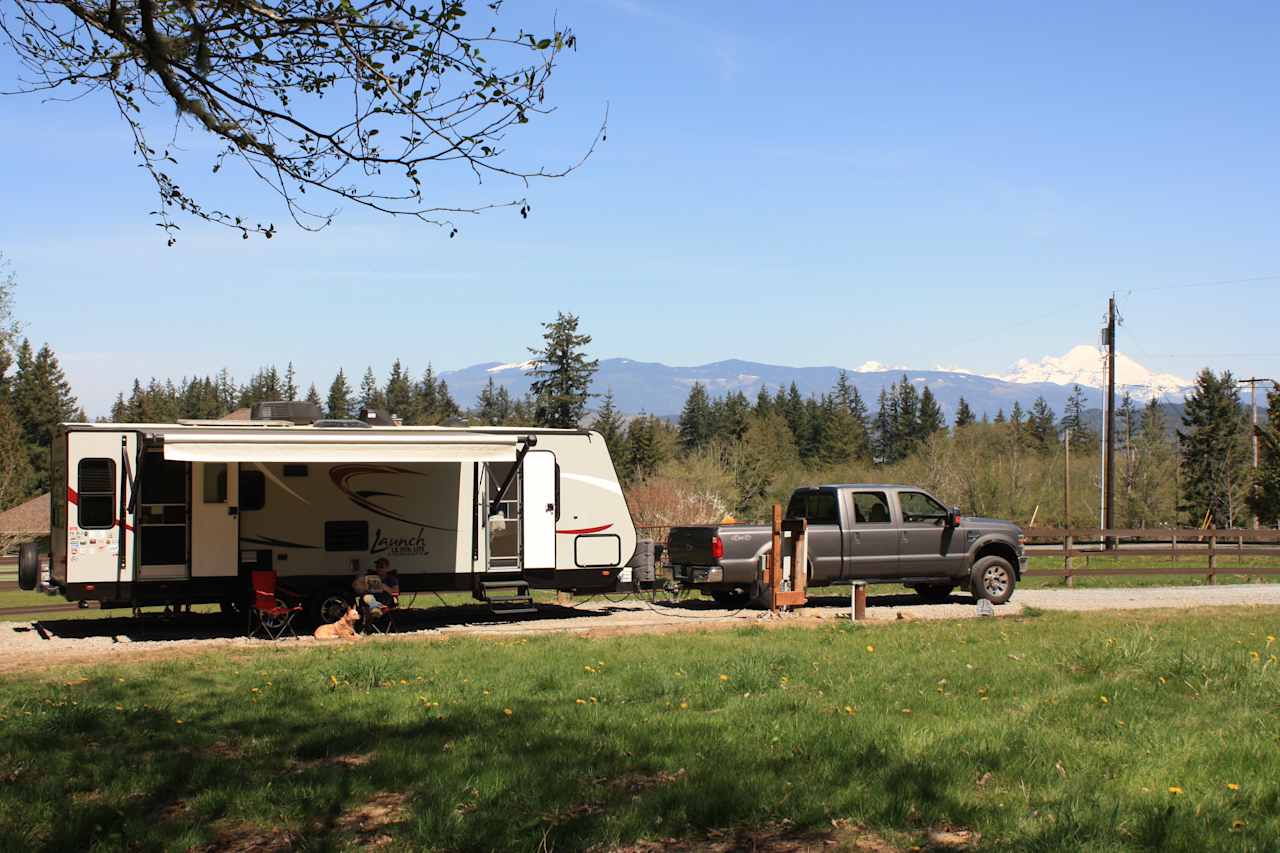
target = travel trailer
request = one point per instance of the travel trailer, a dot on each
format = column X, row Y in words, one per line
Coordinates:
column 149, row 514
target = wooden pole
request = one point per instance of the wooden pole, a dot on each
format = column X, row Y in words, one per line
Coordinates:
column 1109, row 486
column 775, row 559
column 1066, row 510
column 1213, row 557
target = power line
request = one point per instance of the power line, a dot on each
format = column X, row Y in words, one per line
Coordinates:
column 1221, row 283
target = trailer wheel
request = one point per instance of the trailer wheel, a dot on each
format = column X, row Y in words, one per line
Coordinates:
column 328, row 606
column 28, row 565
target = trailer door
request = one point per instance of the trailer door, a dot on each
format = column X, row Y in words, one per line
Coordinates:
column 539, row 504
column 215, row 519
column 101, row 543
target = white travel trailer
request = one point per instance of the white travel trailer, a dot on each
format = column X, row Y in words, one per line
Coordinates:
column 147, row 514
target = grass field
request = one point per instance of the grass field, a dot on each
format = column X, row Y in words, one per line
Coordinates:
column 1148, row 731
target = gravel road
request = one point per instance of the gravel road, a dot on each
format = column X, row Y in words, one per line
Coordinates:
column 32, row 646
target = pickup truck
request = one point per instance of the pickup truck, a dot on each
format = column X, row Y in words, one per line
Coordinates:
column 874, row 532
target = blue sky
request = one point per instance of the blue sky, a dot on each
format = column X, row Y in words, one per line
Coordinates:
column 798, row 183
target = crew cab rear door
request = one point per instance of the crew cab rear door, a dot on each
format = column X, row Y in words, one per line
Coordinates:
column 821, row 508
column 871, row 541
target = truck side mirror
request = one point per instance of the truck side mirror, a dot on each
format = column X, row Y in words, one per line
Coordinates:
column 954, row 517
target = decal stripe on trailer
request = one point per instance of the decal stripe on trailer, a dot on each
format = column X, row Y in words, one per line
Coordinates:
column 583, row 530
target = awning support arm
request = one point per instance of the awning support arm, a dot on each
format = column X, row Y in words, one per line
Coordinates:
column 525, row 443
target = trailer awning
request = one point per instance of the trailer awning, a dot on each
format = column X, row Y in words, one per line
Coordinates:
column 279, row 445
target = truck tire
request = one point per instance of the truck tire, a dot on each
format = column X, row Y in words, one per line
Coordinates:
column 28, row 565
column 327, row 606
column 993, row 579
column 934, row 593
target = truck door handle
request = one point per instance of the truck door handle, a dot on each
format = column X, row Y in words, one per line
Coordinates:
column 233, row 510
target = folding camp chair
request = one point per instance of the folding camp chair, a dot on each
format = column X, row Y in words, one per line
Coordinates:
column 385, row 622
column 270, row 617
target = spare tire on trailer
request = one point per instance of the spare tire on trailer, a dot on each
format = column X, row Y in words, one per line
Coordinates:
column 28, row 565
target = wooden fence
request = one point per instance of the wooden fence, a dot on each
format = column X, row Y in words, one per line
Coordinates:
column 1207, row 553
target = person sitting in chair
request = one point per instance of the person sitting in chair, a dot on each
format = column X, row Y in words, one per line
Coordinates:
column 378, row 590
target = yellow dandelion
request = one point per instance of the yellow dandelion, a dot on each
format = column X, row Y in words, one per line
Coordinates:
column 906, row 711
column 403, row 681
column 848, row 709
column 579, row 701
column 724, row 677
column 507, row 711
column 1164, row 680
column 253, row 690
column 684, row 706
column 1175, row 790
column 1104, row 700
column 333, row 680
column 1271, row 638
column 1237, row 825
column 588, row 668
column 594, row 700
column 1254, row 655
column 179, row 722
column 1233, row 786
column 871, row 648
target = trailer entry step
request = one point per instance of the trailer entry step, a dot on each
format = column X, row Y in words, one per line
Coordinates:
column 507, row 598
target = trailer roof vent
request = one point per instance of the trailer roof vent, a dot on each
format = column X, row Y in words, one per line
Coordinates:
column 376, row 417
column 297, row 412
column 341, row 423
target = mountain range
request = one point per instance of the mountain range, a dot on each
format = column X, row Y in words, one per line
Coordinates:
column 661, row 389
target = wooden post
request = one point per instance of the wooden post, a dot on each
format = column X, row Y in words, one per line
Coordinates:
column 1213, row 558
column 859, row 591
column 1067, row 563
column 775, row 559
column 1175, row 547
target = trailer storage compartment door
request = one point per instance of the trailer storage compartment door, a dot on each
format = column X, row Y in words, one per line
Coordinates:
column 284, row 445
column 538, row 504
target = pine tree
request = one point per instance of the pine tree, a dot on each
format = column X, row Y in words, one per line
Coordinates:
column 644, row 450
column 964, row 414
column 290, row 389
column 1264, row 498
column 861, row 425
column 885, row 442
column 371, row 396
column 931, row 417
column 1213, row 443
column 792, row 408
column 313, row 396
column 490, row 409
column 338, row 405
column 764, row 402
column 16, row 476
column 731, row 416
column 446, row 406
column 1042, row 424
column 399, row 397
column 695, row 419
column 1083, row 438
column 608, row 422
column 427, row 392
column 41, row 399
column 1016, row 417
column 907, row 426
column 1000, row 415
column 839, row 437
column 228, row 393
column 561, row 373
column 1128, row 422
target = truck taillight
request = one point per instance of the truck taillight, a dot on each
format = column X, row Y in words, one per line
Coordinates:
column 717, row 547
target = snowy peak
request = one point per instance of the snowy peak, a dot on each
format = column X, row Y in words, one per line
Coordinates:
column 1086, row 365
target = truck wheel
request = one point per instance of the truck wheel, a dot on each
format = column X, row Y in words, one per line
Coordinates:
column 934, row 593
column 993, row 579
column 28, row 565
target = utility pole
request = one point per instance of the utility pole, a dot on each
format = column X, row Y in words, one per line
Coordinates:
column 1109, row 485
column 1066, row 489
column 1252, row 382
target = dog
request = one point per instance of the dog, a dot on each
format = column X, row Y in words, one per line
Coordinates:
column 343, row 629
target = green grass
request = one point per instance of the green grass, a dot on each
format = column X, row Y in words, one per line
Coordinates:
column 1084, row 723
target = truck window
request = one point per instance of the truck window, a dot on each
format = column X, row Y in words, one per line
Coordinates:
column 917, row 506
column 815, row 507
column 871, row 508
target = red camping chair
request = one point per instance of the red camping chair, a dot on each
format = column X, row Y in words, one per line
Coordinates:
column 270, row 617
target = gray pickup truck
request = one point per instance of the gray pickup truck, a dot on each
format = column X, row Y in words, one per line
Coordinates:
column 873, row 532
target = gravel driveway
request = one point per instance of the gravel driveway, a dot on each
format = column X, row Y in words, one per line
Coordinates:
column 29, row 646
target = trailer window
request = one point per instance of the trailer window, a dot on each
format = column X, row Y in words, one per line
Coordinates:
column 96, row 485
column 346, row 536
column 253, row 491
column 215, row 482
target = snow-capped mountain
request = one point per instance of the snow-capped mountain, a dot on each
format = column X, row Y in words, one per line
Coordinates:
column 1085, row 365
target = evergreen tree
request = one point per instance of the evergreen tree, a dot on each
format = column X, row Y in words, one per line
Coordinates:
column 1083, row 438
column 1016, row 417
column 428, row 393
column 16, row 476
column 42, row 399
column 446, row 406
column 1213, row 443
column 792, row 408
column 764, row 403
column 644, row 449
column 839, row 439
column 290, row 389
column 931, row 417
column 964, row 414
column 760, row 461
column 1000, row 415
column 812, row 427
column 561, row 373
column 608, row 422
column 1264, row 498
column 860, row 425
column 494, row 404
column 371, row 396
column 885, row 442
column 730, row 416
column 228, row 393
column 313, row 396
column 695, row 419
column 338, row 404
column 907, row 426
column 843, row 392
column 1042, row 424
column 1128, row 425
column 399, row 397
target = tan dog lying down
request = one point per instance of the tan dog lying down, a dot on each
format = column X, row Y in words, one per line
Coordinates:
column 343, row 629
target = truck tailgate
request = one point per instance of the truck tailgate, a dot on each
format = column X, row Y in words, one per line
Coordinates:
column 691, row 546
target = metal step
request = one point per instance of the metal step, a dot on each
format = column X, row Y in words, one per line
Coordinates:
column 507, row 598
